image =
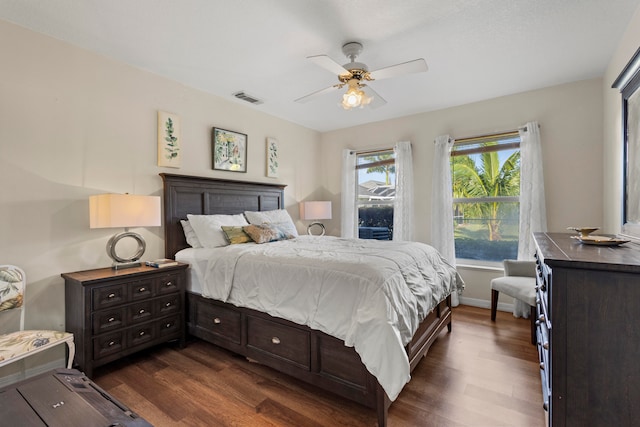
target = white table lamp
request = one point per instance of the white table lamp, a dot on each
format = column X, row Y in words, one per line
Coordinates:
column 314, row 211
column 124, row 211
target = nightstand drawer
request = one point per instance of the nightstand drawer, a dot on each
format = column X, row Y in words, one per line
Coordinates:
column 108, row 344
column 281, row 341
column 141, row 312
column 141, row 289
column 109, row 296
column 167, row 305
column 168, row 283
column 108, row 320
column 170, row 325
column 140, row 335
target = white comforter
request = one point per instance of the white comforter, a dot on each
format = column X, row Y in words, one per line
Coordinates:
column 371, row 294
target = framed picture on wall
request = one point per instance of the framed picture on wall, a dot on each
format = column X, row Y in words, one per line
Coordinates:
column 272, row 158
column 229, row 150
column 169, row 150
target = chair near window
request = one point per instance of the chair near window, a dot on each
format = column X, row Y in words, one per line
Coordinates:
column 519, row 282
column 22, row 343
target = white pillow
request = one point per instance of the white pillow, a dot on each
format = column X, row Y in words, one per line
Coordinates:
column 190, row 234
column 280, row 216
column 208, row 228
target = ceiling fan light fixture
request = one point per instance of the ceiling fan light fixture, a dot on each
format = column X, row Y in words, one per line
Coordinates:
column 355, row 96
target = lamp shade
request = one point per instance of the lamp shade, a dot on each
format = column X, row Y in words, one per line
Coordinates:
column 315, row 210
column 123, row 211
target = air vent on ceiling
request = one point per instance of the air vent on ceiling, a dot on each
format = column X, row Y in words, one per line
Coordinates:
column 245, row 97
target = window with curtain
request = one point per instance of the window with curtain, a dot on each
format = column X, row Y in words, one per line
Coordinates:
column 376, row 192
column 485, row 177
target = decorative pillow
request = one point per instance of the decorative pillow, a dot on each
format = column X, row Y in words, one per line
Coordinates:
column 190, row 235
column 208, row 228
column 265, row 233
column 280, row 216
column 236, row 235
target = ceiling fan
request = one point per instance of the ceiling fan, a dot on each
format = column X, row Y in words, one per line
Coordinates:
column 354, row 74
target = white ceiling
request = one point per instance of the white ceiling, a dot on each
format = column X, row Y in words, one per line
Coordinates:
column 475, row 49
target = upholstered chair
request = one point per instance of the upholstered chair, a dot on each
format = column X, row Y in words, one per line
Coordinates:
column 519, row 282
column 21, row 343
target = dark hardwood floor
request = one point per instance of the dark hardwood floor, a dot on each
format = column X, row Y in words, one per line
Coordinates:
column 480, row 374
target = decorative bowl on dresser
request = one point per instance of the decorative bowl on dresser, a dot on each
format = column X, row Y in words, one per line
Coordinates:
column 588, row 303
column 114, row 313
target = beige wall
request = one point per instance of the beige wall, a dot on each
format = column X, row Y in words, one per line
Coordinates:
column 570, row 117
column 612, row 154
column 73, row 124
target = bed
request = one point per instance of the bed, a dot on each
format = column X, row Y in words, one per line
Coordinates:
column 307, row 353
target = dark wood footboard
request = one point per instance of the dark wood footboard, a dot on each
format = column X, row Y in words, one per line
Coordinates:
column 304, row 353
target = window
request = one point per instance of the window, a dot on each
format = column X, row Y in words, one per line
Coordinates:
column 485, row 175
column 375, row 180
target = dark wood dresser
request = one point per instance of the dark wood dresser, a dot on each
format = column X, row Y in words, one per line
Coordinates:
column 60, row 398
column 113, row 313
column 587, row 332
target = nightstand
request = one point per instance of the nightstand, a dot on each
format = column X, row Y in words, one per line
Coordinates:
column 114, row 313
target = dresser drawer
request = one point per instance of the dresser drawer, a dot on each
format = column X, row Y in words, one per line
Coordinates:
column 108, row 320
column 109, row 296
column 281, row 341
column 219, row 321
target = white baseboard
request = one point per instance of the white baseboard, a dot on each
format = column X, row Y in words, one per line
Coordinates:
column 483, row 303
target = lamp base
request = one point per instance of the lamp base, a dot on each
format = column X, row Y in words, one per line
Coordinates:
column 119, row 262
column 316, row 224
column 123, row 265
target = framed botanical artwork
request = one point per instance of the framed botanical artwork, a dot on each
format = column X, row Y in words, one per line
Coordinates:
column 169, row 154
column 229, row 150
column 272, row 158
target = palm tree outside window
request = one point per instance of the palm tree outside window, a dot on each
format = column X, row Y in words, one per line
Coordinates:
column 376, row 179
column 485, row 176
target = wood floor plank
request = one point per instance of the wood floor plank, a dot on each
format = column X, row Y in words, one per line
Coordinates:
column 483, row 373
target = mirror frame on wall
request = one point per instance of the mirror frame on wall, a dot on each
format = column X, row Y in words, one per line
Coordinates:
column 628, row 82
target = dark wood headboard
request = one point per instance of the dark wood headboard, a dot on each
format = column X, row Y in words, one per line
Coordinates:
column 210, row 196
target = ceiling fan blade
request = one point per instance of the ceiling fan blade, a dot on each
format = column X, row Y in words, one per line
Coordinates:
column 415, row 66
column 316, row 94
column 328, row 64
column 377, row 100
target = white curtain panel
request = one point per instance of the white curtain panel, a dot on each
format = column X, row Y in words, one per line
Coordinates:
column 348, row 216
column 442, row 204
column 533, row 212
column 403, row 225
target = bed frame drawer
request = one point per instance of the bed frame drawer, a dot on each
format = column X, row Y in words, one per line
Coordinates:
column 217, row 320
column 280, row 341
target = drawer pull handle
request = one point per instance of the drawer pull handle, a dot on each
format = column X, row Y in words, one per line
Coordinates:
column 57, row 405
column 169, row 284
column 112, row 295
column 168, row 304
column 168, row 325
column 111, row 319
column 542, row 365
column 142, row 289
column 112, row 343
column 217, row 321
column 275, row 340
column 141, row 333
column 141, row 311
